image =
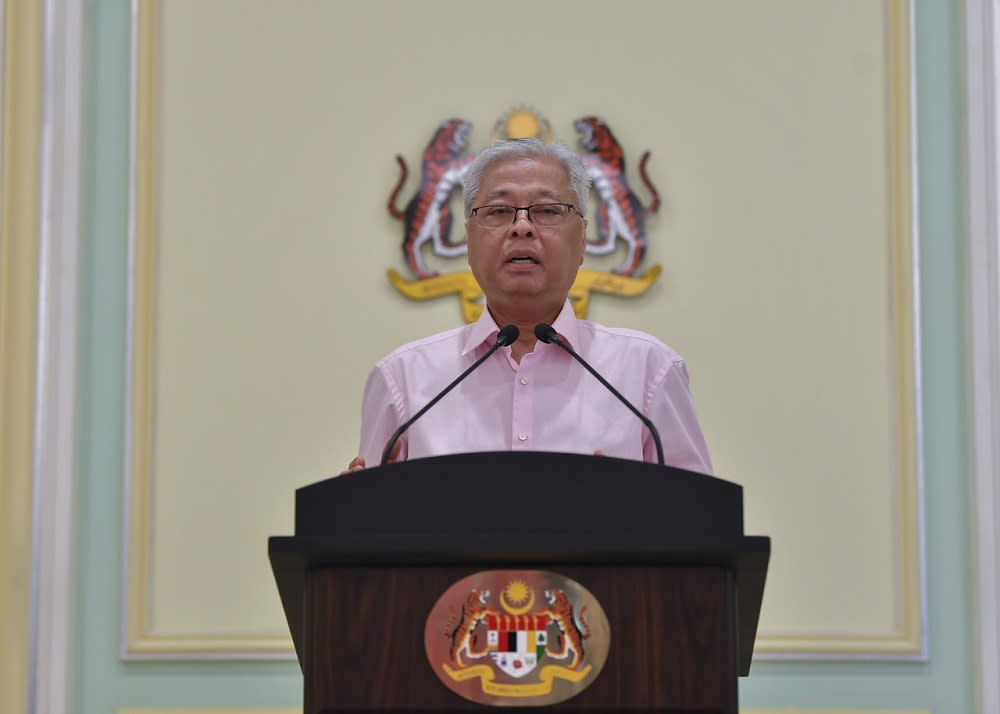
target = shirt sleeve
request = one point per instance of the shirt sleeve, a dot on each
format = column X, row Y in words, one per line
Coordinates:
column 670, row 407
column 381, row 415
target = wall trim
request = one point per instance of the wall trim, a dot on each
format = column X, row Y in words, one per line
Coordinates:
column 137, row 642
column 907, row 640
column 903, row 635
column 138, row 409
column 54, row 466
column 982, row 28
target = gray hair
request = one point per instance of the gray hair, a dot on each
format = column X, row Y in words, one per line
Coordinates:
column 579, row 176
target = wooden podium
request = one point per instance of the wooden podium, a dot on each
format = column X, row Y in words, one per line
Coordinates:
column 662, row 549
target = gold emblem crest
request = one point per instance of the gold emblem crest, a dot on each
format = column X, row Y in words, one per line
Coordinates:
column 517, row 638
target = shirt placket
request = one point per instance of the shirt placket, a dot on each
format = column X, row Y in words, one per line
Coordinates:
column 522, row 417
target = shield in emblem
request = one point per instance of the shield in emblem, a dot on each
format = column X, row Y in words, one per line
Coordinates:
column 517, row 642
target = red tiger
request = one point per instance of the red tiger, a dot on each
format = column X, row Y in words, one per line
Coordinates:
column 573, row 629
column 427, row 216
column 620, row 213
column 462, row 629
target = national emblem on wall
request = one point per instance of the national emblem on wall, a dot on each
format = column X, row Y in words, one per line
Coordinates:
column 620, row 215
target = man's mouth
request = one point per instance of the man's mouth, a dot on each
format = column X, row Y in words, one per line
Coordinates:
column 524, row 259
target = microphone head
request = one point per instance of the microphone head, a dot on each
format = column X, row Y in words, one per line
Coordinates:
column 507, row 335
column 546, row 333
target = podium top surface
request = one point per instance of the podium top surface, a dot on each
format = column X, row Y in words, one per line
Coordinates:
column 623, row 504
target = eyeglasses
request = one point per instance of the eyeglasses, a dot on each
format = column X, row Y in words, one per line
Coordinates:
column 544, row 215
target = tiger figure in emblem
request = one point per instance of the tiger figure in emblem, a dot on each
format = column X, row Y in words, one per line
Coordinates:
column 573, row 629
column 620, row 213
column 427, row 216
column 462, row 628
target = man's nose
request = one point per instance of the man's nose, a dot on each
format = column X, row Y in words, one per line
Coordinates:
column 522, row 225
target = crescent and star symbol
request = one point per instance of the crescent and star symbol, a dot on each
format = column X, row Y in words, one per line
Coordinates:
column 518, row 592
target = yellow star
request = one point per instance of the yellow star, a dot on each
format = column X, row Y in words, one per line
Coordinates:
column 517, row 592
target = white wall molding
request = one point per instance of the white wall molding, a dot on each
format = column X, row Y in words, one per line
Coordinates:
column 983, row 130
column 54, row 467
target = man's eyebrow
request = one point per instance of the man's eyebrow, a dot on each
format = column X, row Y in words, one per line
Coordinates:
column 545, row 193
column 495, row 194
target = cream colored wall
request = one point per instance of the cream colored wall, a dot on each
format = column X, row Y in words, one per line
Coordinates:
column 20, row 99
column 780, row 239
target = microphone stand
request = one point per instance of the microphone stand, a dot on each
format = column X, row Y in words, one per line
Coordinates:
column 505, row 337
column 546, row 333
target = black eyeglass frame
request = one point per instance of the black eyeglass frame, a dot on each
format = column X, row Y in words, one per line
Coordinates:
column 527, row 210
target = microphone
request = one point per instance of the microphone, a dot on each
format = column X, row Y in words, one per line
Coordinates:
column 506, row 337
column 546, row 333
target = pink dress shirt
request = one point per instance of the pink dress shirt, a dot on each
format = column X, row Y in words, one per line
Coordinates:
column 548, row 402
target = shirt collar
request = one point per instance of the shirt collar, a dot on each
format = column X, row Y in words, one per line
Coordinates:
column 567, row 326
column 485, row 329
column 482, row 330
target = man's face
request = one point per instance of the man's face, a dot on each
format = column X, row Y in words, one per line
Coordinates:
column 521, row 264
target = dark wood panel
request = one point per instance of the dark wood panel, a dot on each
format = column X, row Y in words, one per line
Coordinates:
column 672, row 649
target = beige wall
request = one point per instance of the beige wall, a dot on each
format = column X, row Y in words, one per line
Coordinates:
column 20, row 100
column 783, row 240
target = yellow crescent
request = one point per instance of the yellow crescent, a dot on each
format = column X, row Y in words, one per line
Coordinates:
column 517, row 610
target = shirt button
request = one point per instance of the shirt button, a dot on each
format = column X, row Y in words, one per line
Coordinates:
column 523, row 380
column 522, row 436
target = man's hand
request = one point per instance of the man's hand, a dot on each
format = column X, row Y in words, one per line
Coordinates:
column 358, row 462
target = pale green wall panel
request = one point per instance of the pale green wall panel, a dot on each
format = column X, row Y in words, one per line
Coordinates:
column 104, row 684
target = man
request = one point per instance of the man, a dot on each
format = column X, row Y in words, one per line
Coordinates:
column 524, row 205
